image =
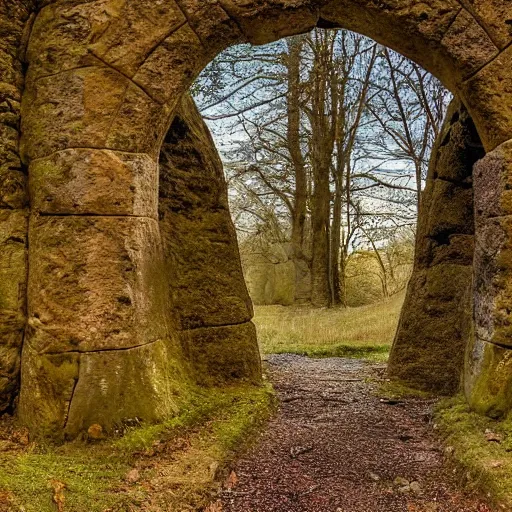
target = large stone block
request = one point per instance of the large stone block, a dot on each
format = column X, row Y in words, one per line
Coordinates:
column 450, row 208
column 493, row 183
column 414, row 28
column 495, row 16
column 214, row 27
column 136, row 29
column 172, row 66
column 207, row 284
column 430, row 341
column 69, row 392
column 95, row 284
column 203, row 262
column 139, row 124
column 468, row 44
column 124, row 387
column 488, row 96
column 263, row 21
column 91, row 107
column 61, row 34
column 44, row 405
column 488, row 378
column 493, row 280
column 221, row 355
column 90, row 181
column 73, row 109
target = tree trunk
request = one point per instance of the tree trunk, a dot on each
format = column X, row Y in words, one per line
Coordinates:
column 320, row 289
column 336, row 297
column 293, row 135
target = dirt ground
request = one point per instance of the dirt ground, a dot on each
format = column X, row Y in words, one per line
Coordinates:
column 335, row 446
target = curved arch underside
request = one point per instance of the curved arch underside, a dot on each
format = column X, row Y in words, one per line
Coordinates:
column 101, row 85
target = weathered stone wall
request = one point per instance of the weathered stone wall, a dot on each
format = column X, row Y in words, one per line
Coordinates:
column 209, row 301
column 434, row 327
column 488, row 372
column 14, row 26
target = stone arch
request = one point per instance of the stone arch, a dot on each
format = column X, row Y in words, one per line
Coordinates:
column 103, row 83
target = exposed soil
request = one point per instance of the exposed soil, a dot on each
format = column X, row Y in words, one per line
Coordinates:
column 335, row 446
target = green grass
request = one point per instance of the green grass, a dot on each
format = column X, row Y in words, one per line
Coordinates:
column 395, row 390
column 363, row 332
column 212, row 428
column 485, row 464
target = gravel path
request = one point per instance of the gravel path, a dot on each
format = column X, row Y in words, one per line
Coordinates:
column 335, row 446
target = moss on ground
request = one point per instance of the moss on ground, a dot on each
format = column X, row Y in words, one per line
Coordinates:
column 376, row 353
column 212, row 427
column 480, row 446
column 394, row 390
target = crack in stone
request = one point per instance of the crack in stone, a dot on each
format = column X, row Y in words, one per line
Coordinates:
column 482, row 25
column 70, row 401
column 49, row 155
column 220, row 326
column 100, row 350
column 488, row 63
column 189, row 23
column 175, row 28
column 130, row 79
column 62, row 71
column 499, row 345
column 234, row 19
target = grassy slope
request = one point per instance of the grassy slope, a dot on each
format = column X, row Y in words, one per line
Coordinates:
column 190, row 450
column 366, row 331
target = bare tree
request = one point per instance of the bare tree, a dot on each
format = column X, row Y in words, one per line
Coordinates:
column 324, row 136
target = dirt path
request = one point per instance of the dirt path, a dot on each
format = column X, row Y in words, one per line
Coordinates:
column 336, row 447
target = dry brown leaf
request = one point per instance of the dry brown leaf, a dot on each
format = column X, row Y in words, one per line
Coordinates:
column 21, row 436
column 232, row 480
column 214, row 507
column 58, row 494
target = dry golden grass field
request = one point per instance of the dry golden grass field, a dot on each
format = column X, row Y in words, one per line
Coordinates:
column 366, row 331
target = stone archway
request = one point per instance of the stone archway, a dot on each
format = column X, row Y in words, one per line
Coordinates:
column 103, row 83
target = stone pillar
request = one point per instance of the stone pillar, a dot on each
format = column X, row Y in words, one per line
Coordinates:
column 211, row 306
column 434, row 327
column 98, row 348
column 488, row 374
column 13, row 199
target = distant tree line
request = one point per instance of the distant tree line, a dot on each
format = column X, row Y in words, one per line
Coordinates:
column 326, row 139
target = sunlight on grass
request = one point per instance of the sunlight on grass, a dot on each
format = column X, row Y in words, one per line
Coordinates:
column 481, row 448
column 367, row 331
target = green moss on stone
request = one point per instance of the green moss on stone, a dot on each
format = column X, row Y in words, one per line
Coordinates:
column 483, row 464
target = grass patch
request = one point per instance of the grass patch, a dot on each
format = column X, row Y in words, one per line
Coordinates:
column 373, row 353
column 395, row 390
column 179, row 461
column 363, row 332
column 481, row 448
